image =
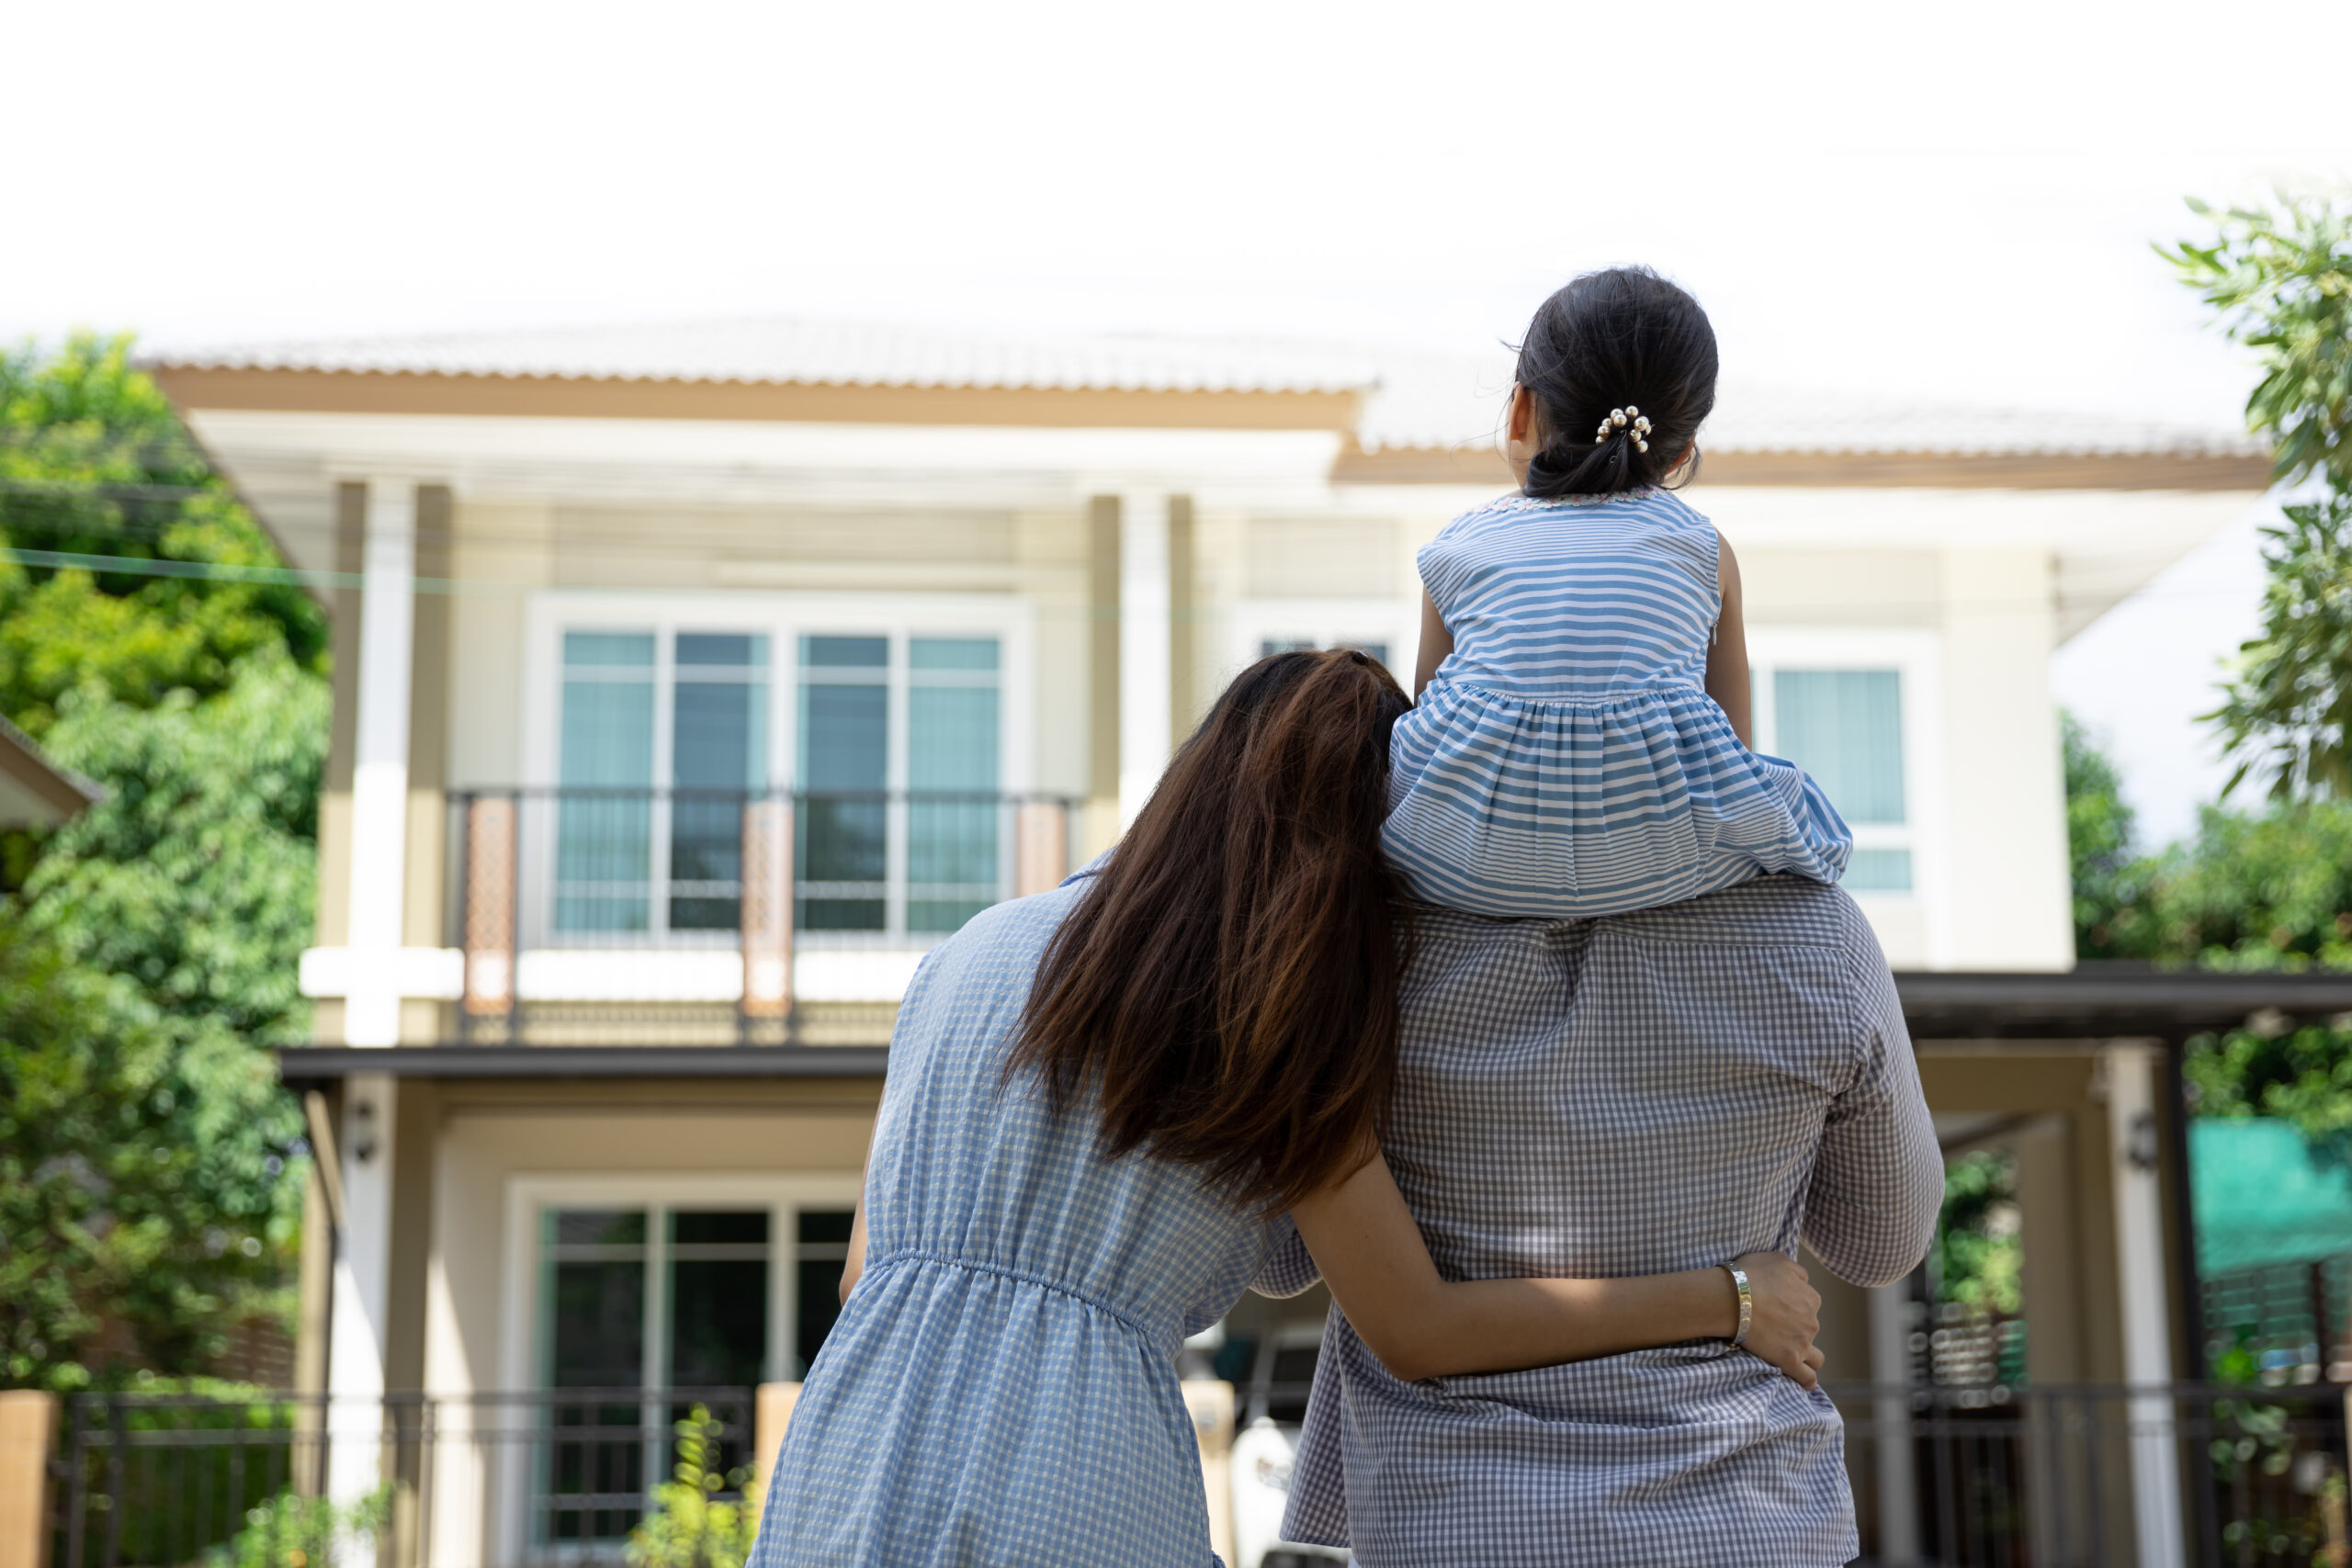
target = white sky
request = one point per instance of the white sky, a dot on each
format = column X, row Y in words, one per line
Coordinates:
column 1930, row 199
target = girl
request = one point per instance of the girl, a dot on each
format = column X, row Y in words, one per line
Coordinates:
column 1097, row 1099
column 1580, row 741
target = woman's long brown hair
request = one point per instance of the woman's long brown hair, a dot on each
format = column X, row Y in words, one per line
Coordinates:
column 1228, row 987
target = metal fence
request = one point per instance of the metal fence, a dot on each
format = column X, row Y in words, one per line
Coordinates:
column 681, row 910
column 2073, row 1477
column 559, row 1476
column 2081, row 1476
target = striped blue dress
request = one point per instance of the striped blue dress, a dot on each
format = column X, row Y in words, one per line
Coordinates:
column 1002, row 1387
column 1565, row 761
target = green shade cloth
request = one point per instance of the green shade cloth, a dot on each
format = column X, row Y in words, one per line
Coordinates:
column 2264, row 1196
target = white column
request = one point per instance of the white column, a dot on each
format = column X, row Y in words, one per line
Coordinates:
column 361, row 1289
column 1146, row 671
column 1890, row 1456
column 2133, row 1073
column 379, row 767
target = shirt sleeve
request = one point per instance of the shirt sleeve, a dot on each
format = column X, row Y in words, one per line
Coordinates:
column 1878, row 1181
column 1286, row 1270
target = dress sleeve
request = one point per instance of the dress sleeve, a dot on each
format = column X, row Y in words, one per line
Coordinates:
column 1286, row 1270
column 1878, row 1179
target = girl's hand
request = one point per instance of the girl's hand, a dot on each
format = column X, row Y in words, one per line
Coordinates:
column 1787, row 1318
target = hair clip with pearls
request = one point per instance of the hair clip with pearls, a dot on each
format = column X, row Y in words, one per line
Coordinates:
column 1627, row 417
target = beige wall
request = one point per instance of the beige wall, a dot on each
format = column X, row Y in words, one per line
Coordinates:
column 492, row 1134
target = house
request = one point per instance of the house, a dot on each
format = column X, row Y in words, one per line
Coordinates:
column 691, row 680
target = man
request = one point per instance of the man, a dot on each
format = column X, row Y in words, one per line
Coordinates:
column 1644, row 1092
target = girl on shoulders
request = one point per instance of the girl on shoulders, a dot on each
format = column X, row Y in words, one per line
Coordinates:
column 1579, row 746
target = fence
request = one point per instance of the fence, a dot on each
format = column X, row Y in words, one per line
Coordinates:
column 2074, row 1477
column 683, row 912
column 547, row 1477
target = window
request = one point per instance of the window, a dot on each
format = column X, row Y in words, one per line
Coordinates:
column 627, row 858
column 666, row 718
column 644, row 1310
column 1385, row 629
column 1846, row 728
column 950, row 828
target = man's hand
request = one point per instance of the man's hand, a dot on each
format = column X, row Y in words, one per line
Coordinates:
column 1787, row 1318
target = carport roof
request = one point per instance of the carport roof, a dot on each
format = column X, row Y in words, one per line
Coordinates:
column 2091, row 1002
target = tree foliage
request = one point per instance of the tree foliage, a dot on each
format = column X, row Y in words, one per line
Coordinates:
column 94, row 463
column 2267, row 889
column 2280, row 280
column 148, row 947
column 2287, row 710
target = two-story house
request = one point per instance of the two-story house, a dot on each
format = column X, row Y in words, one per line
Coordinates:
column 692, row 681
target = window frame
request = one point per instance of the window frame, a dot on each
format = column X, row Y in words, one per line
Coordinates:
column 785, row 618
column 1914, row 656
column 1328, row 623
column 523, row 1344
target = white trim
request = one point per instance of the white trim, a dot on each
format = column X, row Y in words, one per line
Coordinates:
column 437, row 973
column 873, row 973
column 529, row 1193
column 1326, row 623
column 1917, row 656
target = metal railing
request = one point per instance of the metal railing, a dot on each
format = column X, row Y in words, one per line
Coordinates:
column 546, row 1477
column 2072, row 1477
column 700, row 900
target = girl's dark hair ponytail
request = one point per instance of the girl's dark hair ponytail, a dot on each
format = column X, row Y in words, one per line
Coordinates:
column 1227, row 990
column 1624, row 339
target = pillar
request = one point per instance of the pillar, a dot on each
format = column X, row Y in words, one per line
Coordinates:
column 27, row 1431
column 1891, row 1454
column 380, row 764
column 1145, row 667
column 360, row 1291
column 1102, row 826
column 2134, row 1072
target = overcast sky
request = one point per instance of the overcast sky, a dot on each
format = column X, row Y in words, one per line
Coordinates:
column 1922, row 199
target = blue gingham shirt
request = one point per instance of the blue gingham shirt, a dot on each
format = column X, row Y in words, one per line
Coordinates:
column 1645, row 1092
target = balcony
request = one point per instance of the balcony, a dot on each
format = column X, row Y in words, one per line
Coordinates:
column 708, row 916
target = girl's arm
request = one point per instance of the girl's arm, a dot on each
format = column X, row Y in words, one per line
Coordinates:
column 1436, row 643
column 1370, row 1252
column 1727, row 660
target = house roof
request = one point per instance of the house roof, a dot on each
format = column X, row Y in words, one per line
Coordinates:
column 1407, row 399
column 818, row 351
column 34, row 791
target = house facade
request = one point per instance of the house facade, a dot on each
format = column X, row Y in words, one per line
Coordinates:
column 692, row 682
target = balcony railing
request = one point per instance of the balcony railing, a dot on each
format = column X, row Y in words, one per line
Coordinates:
column 576, row 896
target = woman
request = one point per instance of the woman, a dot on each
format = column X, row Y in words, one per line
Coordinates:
column 1102, row 1101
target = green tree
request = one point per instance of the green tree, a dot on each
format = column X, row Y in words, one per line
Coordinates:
column 149, row 1189
column 94, row 464
column 2280, row 280
column 2098, row 841
column 2265, row 889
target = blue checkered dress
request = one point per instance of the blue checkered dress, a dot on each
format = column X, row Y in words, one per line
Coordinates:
column 1002, row 1387
column 1648, row 1093
column 1565, row 759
